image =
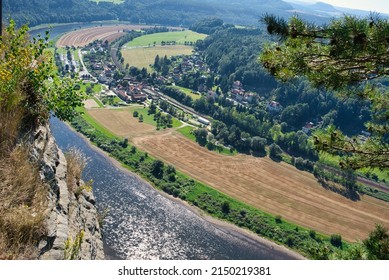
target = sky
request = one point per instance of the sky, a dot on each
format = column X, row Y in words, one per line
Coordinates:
column 381, row 6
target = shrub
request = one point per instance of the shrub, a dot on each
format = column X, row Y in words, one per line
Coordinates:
column 275, row 152
column 73, row 248
column 336, row 240
column 76, row 162
column 22, row 193
column 226, row 207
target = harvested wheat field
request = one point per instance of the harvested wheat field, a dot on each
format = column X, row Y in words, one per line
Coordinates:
column 277, row 188
column 121, row 122
column 83, row 37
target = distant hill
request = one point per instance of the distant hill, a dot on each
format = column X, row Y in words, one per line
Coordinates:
column 35, row 12
column 324, row 10
column 168, row 12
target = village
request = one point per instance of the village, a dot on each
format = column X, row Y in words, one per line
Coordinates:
column 94, row 64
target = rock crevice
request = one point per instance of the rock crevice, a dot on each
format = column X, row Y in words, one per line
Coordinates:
column 67, row 214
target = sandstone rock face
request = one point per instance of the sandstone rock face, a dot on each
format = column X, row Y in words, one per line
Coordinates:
column 67, row 214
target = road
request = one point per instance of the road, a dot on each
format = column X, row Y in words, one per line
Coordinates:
column 85, row 71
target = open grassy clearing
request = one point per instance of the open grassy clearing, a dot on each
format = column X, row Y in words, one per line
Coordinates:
column 149, row 119
column 187, row 132
column 144, row 57
column 178, row 36
column 277, row 188
column 96, row 88
column 188, row 91
column 332, row 160
column 91, row 103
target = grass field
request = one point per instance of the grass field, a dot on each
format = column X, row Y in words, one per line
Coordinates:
column 179, row 36
column 334, row 161
column 143, row 57
column 187, row 132
column 96, row 88
column 188, row 91
column 120, row 122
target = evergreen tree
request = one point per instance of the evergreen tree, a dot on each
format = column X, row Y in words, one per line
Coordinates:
column 350, row 56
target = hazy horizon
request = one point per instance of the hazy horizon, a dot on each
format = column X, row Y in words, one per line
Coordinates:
column 380, row 6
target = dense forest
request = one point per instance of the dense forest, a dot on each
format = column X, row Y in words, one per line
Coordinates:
column 56, row 11
column 169, row 12
column 232, row 53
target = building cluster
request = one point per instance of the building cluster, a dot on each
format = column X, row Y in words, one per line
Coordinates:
column 187, row 64
column 107, row 73
column 238, row 94
column 274, row 107
column 133, row 91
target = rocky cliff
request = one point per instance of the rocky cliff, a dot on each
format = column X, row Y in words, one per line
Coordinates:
column 70, row 217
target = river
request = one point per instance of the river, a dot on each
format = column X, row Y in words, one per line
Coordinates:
column 144, row 224
column 59, row 29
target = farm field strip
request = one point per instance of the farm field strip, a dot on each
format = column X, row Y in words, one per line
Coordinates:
column 121, row 122
column 279, row 189
column 83, row 37
column 178, row 36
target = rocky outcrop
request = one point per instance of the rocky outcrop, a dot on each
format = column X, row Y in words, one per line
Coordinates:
column 68, row 215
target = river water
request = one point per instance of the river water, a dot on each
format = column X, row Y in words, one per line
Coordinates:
column 143, row 224
column 57, row 30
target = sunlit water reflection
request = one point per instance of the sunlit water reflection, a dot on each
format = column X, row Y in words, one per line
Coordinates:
column 143, row 224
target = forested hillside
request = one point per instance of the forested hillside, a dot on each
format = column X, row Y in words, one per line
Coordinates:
column 36, row 12
column 232, row 53
column 170, row 12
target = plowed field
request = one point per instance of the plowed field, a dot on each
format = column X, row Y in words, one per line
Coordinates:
column 83, row 37
column 277, row 188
